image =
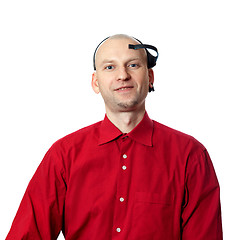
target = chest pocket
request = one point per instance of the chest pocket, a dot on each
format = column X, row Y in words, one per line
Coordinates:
column 152, row 216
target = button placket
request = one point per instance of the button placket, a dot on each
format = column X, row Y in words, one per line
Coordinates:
column 122, row 185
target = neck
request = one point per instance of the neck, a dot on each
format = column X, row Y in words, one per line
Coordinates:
column 125, row 121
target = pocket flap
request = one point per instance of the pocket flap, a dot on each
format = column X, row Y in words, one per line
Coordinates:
column 154, row 198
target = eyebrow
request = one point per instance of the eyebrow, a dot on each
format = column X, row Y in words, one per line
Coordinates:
column 112, row 60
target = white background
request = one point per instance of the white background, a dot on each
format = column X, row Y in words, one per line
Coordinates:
column 46, row 50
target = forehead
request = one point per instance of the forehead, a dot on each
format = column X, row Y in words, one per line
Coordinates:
column 117, row 49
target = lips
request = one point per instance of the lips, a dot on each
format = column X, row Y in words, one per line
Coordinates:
column 123, row 88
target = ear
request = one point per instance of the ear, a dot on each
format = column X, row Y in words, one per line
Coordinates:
column 151, row 77
column 94, row 83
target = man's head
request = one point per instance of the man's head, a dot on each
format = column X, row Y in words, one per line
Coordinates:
column 122, row 75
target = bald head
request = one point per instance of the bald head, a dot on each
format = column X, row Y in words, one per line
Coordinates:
column 114, row 44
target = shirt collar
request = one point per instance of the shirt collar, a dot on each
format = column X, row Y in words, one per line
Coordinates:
column 142, row 133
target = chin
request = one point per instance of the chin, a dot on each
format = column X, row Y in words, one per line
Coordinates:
column 128, row 105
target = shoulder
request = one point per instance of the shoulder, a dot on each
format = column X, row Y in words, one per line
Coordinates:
column 175, row 139
column 168, row 132
column 78, row 137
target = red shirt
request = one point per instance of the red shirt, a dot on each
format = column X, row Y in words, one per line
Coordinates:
column 100, row 184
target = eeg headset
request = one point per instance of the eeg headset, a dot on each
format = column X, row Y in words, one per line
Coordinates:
column 151, row 60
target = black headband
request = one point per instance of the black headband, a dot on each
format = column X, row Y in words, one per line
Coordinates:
column 151, row 60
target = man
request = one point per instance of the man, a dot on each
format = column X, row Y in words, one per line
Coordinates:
column 126, row 177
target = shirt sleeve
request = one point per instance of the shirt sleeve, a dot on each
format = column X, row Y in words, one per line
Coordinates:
column 40, row 213
column 201, row 213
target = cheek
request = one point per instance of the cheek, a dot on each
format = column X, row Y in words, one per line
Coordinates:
column 104, row 85
column 143, row 81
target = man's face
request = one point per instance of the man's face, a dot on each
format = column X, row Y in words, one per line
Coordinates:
column 122, row 76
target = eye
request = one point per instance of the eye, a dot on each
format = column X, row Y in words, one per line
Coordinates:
column 110, row 67
column 133, row 65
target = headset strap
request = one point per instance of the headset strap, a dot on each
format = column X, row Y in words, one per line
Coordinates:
column 139, row 46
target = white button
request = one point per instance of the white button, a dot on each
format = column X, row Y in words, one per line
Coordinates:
column 118, row 229
column 124, row 156
column 121, row 199
column 124, row 167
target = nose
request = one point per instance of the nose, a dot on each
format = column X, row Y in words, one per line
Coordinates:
column 123, row 74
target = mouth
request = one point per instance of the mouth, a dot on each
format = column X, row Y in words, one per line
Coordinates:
column 124, row 88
